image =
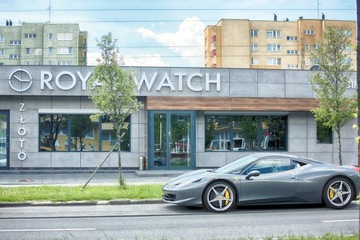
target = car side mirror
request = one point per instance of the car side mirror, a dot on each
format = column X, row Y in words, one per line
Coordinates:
column 251, row 174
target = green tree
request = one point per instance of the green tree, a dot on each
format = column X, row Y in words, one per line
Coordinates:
column 113, row 91
column 334, row 109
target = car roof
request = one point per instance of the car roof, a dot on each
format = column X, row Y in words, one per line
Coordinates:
column 295, row 157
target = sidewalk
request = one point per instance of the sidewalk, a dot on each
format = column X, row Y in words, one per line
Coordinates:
column 68, row 177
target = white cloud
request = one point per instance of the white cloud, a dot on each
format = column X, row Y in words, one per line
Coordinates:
column 153, row 60
column 187, row 41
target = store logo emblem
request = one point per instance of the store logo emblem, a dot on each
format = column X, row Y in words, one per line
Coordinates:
column 20, row 80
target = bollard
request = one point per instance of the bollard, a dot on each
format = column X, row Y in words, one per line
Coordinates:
column 142, row 163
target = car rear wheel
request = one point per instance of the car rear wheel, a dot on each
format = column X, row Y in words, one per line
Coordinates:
column 338, row 193
column 219, row 197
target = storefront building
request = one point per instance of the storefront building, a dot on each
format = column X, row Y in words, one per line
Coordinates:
column 192, row 118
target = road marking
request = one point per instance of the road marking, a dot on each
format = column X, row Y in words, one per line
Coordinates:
column 339, row 221
column 47, row 230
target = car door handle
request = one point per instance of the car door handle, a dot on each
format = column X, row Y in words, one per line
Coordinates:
column 293, row 177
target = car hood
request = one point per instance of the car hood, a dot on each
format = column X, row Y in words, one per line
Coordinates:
column 197, row 174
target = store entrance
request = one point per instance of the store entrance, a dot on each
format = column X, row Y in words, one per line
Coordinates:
column 4, row 140
column 171, row 140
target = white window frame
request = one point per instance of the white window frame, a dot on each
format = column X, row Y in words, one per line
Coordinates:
column 292, row 38
column 15, row 42
column 273, row 47
column 38, row 51
column 15, row 56
column 65, row 51
column 309, row 32
column 254, row 32
column 273, row 33
column 254, row 61
column 292, row 52
column 273, row 61
column 254, row 47
column 30, row 35
column 293, row 66
column 65, row 36
column 307, row 47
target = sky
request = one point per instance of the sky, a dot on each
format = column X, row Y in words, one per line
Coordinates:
column 166, row 33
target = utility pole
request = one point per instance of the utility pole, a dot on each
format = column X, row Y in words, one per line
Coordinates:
column 357, row 71
column 49, row 8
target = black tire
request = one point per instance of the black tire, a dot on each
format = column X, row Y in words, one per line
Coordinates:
column 338, row 193
column 219, row 196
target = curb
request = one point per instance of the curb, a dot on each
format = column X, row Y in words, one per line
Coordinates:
column 80, row 203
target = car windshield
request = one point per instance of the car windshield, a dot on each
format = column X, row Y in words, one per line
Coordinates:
column 237, row 165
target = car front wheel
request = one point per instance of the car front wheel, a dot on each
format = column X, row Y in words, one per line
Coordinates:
column 338, row 193
column 219, row 197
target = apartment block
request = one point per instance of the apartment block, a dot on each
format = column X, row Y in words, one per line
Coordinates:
column 244, row 43
column 42, row 44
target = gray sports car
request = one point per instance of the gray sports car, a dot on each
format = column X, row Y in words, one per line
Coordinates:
column 268, row 178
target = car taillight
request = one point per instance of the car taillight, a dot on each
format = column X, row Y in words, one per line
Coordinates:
column 357, row 168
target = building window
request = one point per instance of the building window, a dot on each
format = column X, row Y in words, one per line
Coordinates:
column 273, row 34
column 50, row 36
column 273, row 61
column 309, row 32
column 15, row 42
column 347, row 33
column 38, row 51
column 14, row 56
column 245, row 133
column 323, row 133
column 307, row 47
column 2, row 39
column 27, row 51
column 50, row 50
column 315, row 46
column 292, row 66
column 253, row 33
column 2, row 52
column 254, row 61
column 273, row 47
column 68, row 50
column 65, row 63
column 292, row 52
column 291, row 38
column 254, row 47
column 64, row 36
column 30, row 35
column 78, row 133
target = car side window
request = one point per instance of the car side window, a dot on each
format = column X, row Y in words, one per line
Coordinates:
column 272, row 165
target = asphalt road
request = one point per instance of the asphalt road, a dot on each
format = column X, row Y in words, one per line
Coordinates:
column 164, row 221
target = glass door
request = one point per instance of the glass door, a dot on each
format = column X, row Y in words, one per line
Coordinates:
column 171, row 140
column 4, row 140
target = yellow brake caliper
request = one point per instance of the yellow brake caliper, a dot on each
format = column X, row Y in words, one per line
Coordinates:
column 331, row 193
column 227, row 196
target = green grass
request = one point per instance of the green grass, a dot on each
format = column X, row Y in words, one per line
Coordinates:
column 75, row 193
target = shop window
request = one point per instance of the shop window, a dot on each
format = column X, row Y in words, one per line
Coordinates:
column 62, row 132
column 245, row 133
column 108, row 136
column 323, row 133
